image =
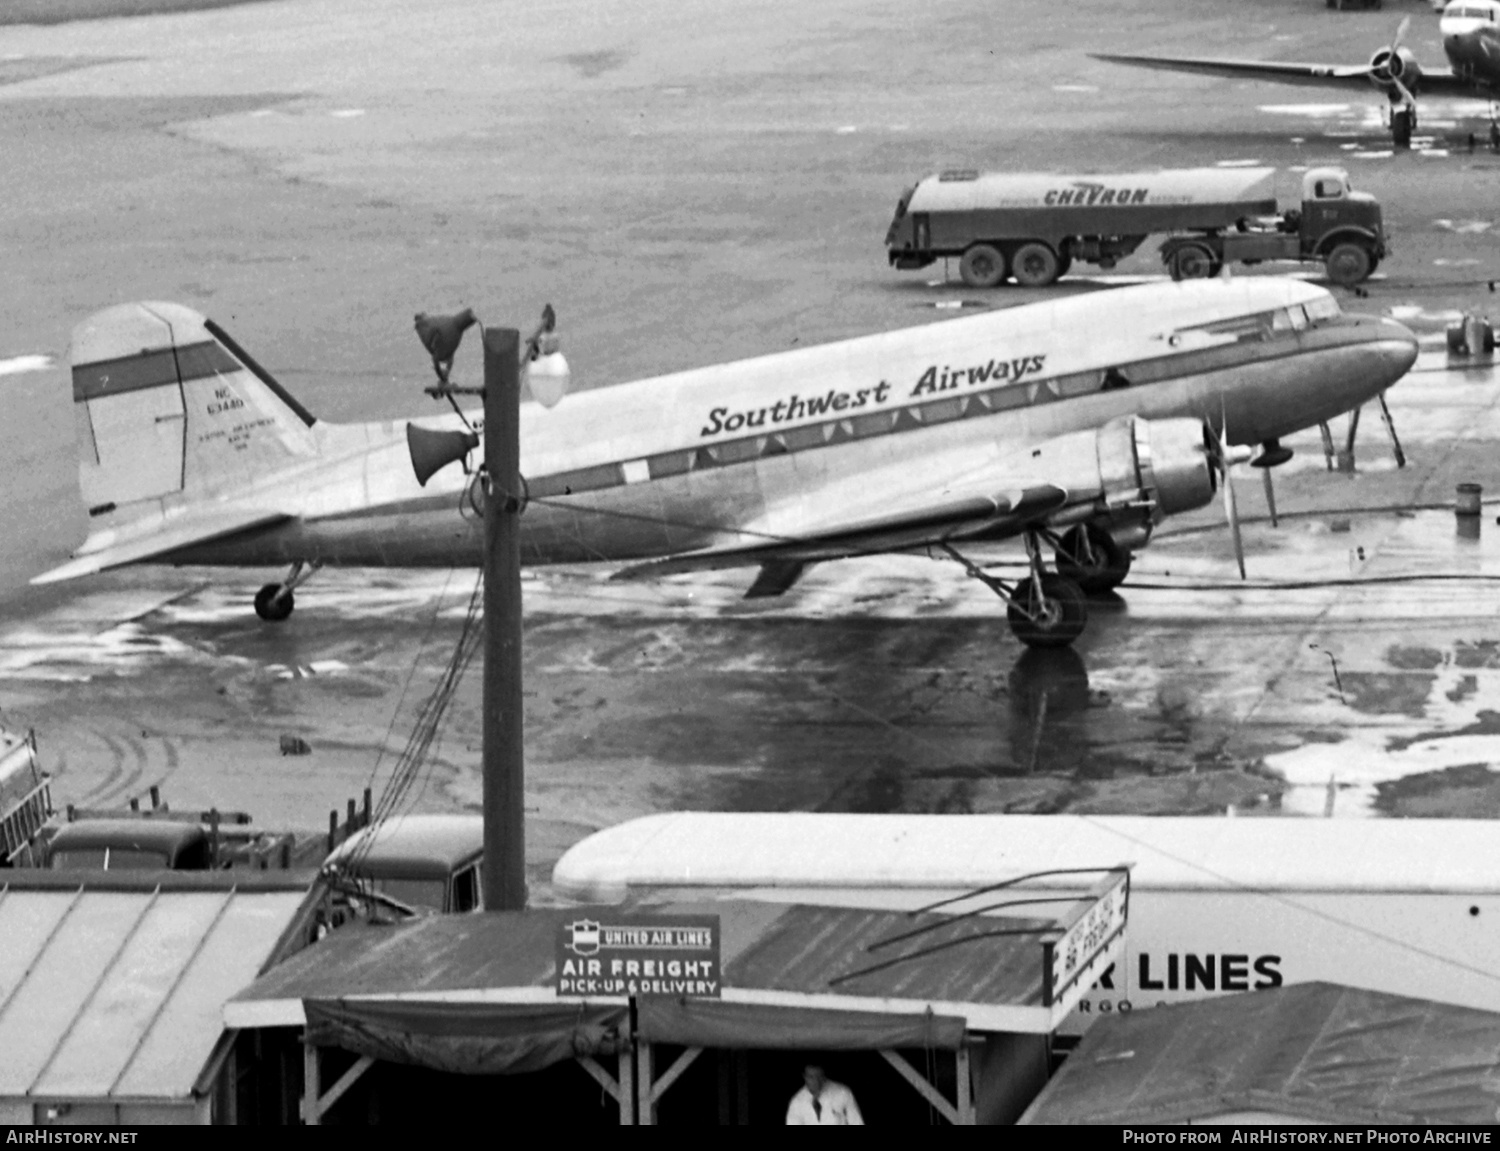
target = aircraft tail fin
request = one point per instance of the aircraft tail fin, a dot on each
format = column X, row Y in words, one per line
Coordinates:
column 166, row 402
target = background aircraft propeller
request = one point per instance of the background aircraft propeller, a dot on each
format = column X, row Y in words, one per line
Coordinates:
column 1223, row 456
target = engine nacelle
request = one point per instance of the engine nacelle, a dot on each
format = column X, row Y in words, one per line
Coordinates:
column 1164, row 462
column 1393, row 69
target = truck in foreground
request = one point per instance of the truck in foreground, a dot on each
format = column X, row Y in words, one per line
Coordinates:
column 1031, row 227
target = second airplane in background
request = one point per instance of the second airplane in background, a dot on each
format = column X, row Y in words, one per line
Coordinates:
column 1471, row 40
column 1075, row 424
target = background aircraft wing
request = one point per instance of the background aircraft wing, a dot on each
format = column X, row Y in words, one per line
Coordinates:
column 191, row 529
column 1434, row 80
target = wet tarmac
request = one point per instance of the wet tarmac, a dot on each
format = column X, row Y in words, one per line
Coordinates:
column 685, row 196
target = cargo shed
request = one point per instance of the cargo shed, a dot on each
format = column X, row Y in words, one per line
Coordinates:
column 113, row 984
column 927, row 1018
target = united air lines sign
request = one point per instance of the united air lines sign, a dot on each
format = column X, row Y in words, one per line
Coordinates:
column 642, row 955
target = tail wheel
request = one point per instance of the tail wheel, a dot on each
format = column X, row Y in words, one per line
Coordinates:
column 1090, row 558
column 1192, row 262
column 1348, row 263
column 1035, row 265
column 273, row 604
column 982, row 266
column 1052, row 615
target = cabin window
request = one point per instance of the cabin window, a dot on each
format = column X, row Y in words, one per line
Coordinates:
column 1114, row 380
column 1328, row 189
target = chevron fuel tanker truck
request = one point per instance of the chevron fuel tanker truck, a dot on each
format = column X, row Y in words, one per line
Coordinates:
column 1032, row 226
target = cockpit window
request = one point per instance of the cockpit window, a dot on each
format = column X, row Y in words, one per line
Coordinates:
column 1292, row 319
column 1322, row 308
column 902, row 203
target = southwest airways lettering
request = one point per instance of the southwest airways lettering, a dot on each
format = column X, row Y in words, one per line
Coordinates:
column 934, row 379
column 794, row 408
column 1082, row 193
column 990, row 372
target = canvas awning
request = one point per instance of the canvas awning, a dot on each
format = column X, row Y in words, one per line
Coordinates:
column 833, row 964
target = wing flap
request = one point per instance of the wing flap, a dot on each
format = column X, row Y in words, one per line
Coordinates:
column 194, row 529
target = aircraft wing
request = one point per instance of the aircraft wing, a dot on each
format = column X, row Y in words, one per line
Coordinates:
column 192, row 529
column 874, row 522
column 1434, row 80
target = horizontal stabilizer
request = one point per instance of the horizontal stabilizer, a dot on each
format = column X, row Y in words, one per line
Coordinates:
column 194, row 529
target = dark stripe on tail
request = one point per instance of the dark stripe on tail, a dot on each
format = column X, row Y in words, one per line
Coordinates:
column 261, row 374
column 150, row 370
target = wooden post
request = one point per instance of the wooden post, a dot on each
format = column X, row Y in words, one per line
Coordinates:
column 645, row 1111
column 504, row 758
column 311, row 1088
column 965, row 1085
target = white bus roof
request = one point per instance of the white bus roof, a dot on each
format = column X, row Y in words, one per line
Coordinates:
column 960, row 191
column 953, row 853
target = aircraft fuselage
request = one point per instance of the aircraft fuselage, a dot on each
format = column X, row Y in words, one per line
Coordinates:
column 732, row 455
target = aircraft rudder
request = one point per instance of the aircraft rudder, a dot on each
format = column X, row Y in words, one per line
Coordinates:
column 166, row 402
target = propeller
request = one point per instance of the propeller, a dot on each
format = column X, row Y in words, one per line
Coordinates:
column 1393, row 63
column 1223, row 456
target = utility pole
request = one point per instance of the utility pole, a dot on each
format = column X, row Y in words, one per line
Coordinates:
column 504, row 873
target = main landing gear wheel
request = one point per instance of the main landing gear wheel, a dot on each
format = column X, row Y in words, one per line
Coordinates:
column 273, row 603
column 1035, row 265
column 1090, row 558
column 982, row 266
column 1047, row 613
column 1403, row 124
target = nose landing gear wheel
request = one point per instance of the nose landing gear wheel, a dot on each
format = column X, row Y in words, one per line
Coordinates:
column 1050, row 614
column 274, row 602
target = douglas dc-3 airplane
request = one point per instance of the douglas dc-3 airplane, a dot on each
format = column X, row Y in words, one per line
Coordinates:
column 1080, row 422
column 1471, row 41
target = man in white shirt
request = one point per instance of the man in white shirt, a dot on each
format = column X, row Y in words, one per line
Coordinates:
column 822, row 1101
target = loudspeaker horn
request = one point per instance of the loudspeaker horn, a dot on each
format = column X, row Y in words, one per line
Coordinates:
column 432, row 451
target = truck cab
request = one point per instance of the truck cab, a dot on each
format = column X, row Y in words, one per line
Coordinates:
column 424, row 862
column 1340, row 225
column 129, row 845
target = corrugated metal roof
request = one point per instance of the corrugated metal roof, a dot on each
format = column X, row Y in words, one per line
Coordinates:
column 119, row 993
column 1314, row 1051
column 783, row 953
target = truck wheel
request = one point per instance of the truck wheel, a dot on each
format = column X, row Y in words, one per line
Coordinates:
column 1192, row 262
column 1348, row 263
column 1035, row 265
column 982, row 266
